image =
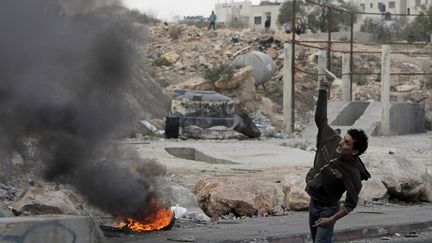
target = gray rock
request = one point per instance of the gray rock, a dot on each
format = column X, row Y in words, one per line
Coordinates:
column 17, row 159
column 295, row 196
column 181, row 196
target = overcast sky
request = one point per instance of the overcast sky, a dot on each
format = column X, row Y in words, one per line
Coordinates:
column 166, row 9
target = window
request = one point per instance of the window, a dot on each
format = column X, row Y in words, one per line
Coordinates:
column 362, row 6
column 240, row 6
column 257, row 20
column 417, row 3
column 371, row 5
column 392, row 4
column 408, row 11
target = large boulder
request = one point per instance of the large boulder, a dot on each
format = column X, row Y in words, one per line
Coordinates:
column 372, row 188
column 403, row 179
column 42, row 200
column 410, row 189
column 148, row 94
column 238, row 78
column 295, row 196
column 405, row 189
column 243, row 197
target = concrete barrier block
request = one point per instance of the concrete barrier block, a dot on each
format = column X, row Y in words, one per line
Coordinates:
column 50, row 228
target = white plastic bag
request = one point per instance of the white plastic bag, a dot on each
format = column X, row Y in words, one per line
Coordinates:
column 178, row 211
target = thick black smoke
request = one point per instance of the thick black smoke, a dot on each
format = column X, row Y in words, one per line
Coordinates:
column 63, row 65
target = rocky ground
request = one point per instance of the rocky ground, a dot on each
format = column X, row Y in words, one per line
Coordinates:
column 187, row 51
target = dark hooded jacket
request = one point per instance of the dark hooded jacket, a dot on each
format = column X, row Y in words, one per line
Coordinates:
column 331, row 175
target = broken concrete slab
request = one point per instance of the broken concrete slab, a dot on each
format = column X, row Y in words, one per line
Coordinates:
column 53, row 229
column 42, row 200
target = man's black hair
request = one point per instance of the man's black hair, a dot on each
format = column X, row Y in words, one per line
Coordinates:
column 360, row 140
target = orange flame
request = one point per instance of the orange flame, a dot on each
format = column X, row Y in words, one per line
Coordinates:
column 160, row 219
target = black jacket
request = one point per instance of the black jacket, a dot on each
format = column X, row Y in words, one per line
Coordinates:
column 331, row 176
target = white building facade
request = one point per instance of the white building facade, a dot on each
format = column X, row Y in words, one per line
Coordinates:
column 230, row 11
column 408, row 7
column 392, row 6
column 254, row 16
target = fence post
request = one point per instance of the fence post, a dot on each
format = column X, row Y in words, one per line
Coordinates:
column 322, row 63
column 385, row 90
column 287, row 89
column 346, row 81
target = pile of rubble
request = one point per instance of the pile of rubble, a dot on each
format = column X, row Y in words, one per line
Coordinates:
column 180, row 59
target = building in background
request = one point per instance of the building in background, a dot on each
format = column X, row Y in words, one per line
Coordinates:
column 244, row 12
column 409, row 7
column 392, row 6
column 232, row 12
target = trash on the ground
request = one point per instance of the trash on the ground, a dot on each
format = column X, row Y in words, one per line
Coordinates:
column 8, row 193
column 385, row 238
column 182, row 239
column 411, row 234
column 148, row 125
column 178, row 211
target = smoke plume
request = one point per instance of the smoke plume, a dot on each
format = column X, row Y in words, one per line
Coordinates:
column 63, row 65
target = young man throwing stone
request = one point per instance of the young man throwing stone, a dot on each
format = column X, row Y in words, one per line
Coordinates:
column 337, row 169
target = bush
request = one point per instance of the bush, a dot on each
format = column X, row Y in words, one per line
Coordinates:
column 175, row 32
column 161, row 61
column 223, row 71
column 360, row 79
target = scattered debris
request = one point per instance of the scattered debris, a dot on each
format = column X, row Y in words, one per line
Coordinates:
column 182, row 239
column 411, row 234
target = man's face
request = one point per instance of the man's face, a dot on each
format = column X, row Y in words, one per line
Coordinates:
column 345, row 146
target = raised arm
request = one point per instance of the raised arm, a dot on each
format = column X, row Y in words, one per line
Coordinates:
column 325, row 132
column 321, row 109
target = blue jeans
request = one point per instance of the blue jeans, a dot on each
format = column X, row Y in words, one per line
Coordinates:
column 321, row 234
column 212, row 25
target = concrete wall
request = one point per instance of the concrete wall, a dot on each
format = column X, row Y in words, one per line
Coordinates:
column 50, row 228
column 406, row 118
column 350, row 114
column 230, row 11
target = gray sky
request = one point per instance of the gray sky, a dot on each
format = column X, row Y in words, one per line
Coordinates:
column 165, row 9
